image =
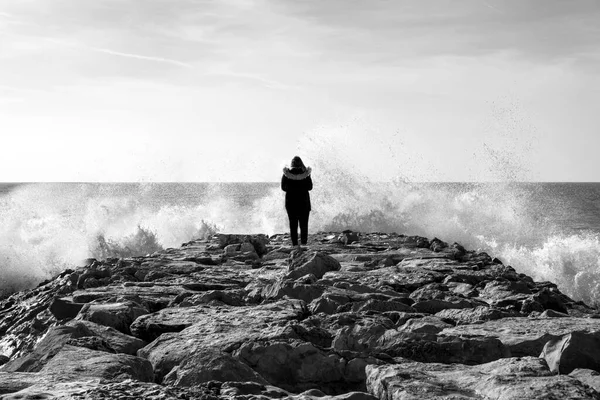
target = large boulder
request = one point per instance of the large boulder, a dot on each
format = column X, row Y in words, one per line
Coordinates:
column 505, row 379
column 311, row 262
column 298, row 366
column 118, row 341
column 221, row 328
column 115, row 315
column 577, row 349
column 211, row 366
column 56, row 338
column 65, row 309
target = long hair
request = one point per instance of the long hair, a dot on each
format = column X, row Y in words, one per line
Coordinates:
column 297, row 163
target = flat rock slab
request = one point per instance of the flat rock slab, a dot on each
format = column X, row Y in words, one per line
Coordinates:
column 395, row 278
column 143, row 290
column 525, row 336
column 505, row 379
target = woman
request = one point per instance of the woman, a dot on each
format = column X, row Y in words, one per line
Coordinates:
column 296, row 183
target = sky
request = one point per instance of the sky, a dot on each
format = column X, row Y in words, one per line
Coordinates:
column 231, row 90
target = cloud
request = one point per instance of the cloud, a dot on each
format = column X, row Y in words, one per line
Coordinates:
column 491, row 7
column 247, row 76
column 141, row 57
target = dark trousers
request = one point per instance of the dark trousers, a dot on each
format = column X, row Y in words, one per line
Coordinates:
column 295, row 219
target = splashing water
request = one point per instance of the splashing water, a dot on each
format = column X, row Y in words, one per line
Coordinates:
column 550, row 232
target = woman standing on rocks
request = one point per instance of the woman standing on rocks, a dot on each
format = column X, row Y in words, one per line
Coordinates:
column 296, row 183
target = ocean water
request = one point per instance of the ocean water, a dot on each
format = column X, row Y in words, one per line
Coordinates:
column 550, row 231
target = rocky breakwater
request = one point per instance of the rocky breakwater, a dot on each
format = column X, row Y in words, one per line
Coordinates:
column 353, row 316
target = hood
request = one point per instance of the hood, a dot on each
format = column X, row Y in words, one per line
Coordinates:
column 296, row 177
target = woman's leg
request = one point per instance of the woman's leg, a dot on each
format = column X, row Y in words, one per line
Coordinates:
column 304, row 227
column 293, row 228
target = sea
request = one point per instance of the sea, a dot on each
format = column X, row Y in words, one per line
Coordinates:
column 550, row 231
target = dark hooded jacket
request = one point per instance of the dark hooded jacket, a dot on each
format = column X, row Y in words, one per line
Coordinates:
column 296, row 183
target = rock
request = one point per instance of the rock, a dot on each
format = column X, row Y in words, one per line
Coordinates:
column 588, row 377
column 56, row 338
column 230, row 297
column 92, row 343
column 432, row 348
column 312, row 263
column 381, row 306
column 298, row 366
column 293, row 290
column 258, row 242
column 578, row 349
column 220, row 329
column 423, row 327
column 362, row 336
column 524, row 336
column 471, row 315
column 435, row 306
column 78, row 362
column 24, row 385
column 553, row 314
column 244, row 316
column 437, row 245
column 211, row 366
column 63, row 309
column 118, row 341
column 349, row 237
column 150, row 326
column 115, row 315
column 506, row 379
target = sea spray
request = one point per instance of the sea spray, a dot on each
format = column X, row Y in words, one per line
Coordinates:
column 572, row 261
column 48, row 227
